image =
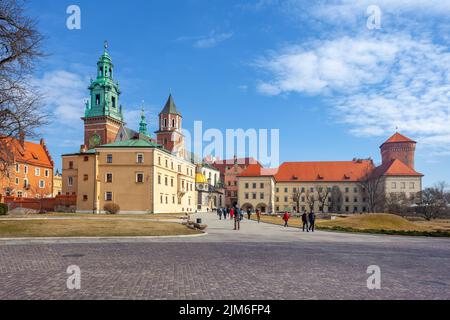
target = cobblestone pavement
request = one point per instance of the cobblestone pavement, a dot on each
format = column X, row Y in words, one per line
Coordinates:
column 259, row 262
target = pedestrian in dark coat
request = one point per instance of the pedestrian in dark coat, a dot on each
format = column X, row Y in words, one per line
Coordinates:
column 219, row 212
column 249, row 213
column 312, row 221
column 305, row 221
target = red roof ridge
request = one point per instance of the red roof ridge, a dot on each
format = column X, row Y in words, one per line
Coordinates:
column 396, row 167
column 398, row 137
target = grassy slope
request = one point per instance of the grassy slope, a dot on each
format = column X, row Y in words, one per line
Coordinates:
column 374, row 223
column 89, row 228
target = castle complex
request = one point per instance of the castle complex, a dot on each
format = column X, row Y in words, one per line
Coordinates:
column 119, row 165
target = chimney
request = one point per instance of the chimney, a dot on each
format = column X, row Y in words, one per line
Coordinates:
column 22, row 138
column 42, row 142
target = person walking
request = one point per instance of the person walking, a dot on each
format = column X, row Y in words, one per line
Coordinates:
column 232, row 213
column 237, row 218
column 305, row 221
column 286, row 217
column 219, row 212
column 249, row 213
column 258, row 215
column 312, row 221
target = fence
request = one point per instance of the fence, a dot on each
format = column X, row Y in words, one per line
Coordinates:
column 59, row 203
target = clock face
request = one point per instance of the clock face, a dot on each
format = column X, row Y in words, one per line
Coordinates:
column 94, row 140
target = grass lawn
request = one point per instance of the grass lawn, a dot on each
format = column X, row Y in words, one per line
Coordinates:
column 374, row 223
column 108, row 216
column 90, row 228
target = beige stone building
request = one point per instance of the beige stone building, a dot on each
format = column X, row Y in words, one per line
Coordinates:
column 331, row 186
column 57, row 184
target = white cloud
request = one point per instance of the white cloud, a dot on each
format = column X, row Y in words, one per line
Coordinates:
column 64, row 94
column 212, row 40
column 372, row 83
column 209, row 41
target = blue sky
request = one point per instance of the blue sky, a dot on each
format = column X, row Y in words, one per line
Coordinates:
column 334, row 88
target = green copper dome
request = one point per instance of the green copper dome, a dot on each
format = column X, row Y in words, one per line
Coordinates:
column 104, row 91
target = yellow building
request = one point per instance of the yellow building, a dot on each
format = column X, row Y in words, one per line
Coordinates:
column 57, row 184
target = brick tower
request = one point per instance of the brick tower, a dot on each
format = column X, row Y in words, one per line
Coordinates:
column 169, row 134
column 103, row 115
column 399, row 147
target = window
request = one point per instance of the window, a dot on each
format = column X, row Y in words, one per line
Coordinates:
column 17, row 168
column 109, row 158
column 86, row 159
column 254, row 185
column 394, row 185
column 412, row 185
column 171, row 182
column 109, row 178
column 161, row 198
column 159, row 160
column 347, row 190
column 113, row 101
column 403, row 185
column 246, row 196
column 286, row 190
column 179, row 168
column 159, row 179
column 254, row 196
column 277, row 190
column 277, row 199
column 355, row 200
column 70, row 181
column 261, row 195
column 25, row 183
column 70, row 164
column 139, row 177
column 286, row 199
column 246, row 186
column 261, row 185
column 85, row 177
column 46, row 173
column 19, row 194
column 85, row 197
column 166, row 181
column 37, row 172
column 347, row 199
column 97, row 99
column 25, row 169
column 355, row 190
column 108, row 196
column 140, row 158
column 17, row 181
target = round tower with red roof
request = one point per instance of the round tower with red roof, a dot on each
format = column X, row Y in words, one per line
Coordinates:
column 399, row 147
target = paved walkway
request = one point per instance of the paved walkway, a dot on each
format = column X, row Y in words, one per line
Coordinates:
column 259, row 262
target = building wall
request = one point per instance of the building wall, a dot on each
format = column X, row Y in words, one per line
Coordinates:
column 256, row 192
column 27, row 172
column 89, row 181
column 410, row 186
column 106, row 128
column 57, row 185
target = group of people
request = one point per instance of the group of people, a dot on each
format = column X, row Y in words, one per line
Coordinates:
column 236, row 214
column 308, row 220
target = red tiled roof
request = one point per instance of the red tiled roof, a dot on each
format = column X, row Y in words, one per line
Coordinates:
column 314, row 171
column 397, row 137
column 256, row 170
column 31, row 153
column 396, row 168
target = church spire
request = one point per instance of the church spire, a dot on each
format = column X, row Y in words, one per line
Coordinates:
column 143, row 123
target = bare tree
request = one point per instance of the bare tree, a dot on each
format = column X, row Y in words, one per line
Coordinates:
column 336, row 199
column 296, row 197
column 20, row 109
column 397, row 203
column 434, row 202
column 371, row 184
column 310, row 200
column 322, row 197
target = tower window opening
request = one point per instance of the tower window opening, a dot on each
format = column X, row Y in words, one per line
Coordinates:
column 165, row 122
column 97, row 99
column 113, row 101
column 173, row 123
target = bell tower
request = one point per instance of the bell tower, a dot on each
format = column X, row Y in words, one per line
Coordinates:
column 103, row 116
column 169, row 134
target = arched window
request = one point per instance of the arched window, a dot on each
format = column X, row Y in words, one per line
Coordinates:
column 173, row 123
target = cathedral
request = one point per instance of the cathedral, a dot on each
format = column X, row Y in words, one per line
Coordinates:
column 128, row 167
